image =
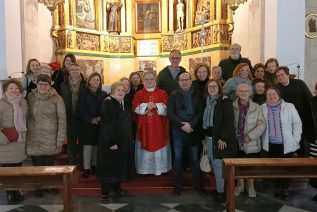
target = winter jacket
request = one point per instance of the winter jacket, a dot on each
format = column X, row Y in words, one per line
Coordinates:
column 291, row 127
column 254, row 126
column 46, row 124
column 13, row 152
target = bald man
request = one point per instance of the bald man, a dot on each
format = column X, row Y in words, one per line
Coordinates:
column 229, row 64
column 184, row 110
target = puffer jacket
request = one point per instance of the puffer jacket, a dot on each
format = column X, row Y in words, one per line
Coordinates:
column 46, row 124
column 254, row 127
column 13, row 152
column 291, row 127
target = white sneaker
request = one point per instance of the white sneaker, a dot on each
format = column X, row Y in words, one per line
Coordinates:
column 252, row 192
column 238, row 190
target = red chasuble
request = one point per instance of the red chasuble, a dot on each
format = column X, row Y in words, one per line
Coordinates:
column 152, row 129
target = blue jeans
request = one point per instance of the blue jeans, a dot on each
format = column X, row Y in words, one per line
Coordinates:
column 181, row 142
column 216, row 165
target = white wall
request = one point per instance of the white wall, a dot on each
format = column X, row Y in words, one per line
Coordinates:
column 270, row 28
column 248, row 30
column 36, row 28
column 290, row 35
column 10, row 38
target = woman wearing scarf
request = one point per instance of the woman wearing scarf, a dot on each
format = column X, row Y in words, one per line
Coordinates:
column 220, row 138
column 249, row 124
column 283, row 133
column 13, row 110
column 46, row 125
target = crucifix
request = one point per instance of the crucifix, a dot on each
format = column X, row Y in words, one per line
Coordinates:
column 202, row 33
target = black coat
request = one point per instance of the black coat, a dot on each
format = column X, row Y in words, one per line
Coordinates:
column 88, row 107
column 297, row 93
column 223, row 129
column 176, row 112
column 115, row 128
column 166, row 82
column 66, row 93
column 313, row 182
column 228, row 65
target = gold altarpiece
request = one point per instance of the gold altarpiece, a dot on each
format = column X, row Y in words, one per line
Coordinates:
column 82, row 27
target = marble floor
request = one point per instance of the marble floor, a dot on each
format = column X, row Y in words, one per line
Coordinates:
column 299, row 200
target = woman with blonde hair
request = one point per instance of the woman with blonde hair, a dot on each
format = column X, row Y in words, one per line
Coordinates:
column 13, row 110
column 241, row 74
column 29, row 78
column 115, row 157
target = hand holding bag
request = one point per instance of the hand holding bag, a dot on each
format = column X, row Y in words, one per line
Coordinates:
column 204, row 161
column 11, row 133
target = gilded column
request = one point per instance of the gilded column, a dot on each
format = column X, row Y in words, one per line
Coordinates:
column 98, row 11
column 65, row 14
column 218, row 9
column 165, row 12
column 212, row 10
column 171, row 16
column 129, row 16
column 191, row 13
column 123, row 16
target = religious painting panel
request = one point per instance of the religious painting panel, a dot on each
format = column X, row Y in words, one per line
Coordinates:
column 311, row 26
column 148, row 16
column 86, row 14
column 193, row 62
column 147, row 65
column 88, row 67
column 85, row 41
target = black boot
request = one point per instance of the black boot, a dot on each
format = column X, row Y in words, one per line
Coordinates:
column 86, row 173
column 10, row 197
column 39, row 193
column 18, row 197
column 93, row 170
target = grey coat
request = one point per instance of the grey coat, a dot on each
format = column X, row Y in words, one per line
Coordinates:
column 13, row 152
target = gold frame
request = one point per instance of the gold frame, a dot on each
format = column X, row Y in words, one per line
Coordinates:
column 140, row 4
column 309, row 34
column 96, row 16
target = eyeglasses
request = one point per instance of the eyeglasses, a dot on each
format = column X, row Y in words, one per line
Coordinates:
column 280, row 75
column 149, row 79
column 43, row 84
column 175, row 58
column 184, row 80
column 212, row 86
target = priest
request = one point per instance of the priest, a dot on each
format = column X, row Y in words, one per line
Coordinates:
column 152, row 149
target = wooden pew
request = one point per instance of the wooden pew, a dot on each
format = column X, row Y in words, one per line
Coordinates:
column 252, row 168
column 15, row 178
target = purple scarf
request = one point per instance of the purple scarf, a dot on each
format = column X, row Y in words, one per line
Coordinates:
column 274, row 122
column 243, row 110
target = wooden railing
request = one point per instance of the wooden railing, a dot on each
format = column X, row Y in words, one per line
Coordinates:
column 253, row 168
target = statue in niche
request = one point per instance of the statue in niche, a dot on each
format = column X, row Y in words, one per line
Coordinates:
column 202, row 11
column 69, row 40
column 312, row 25
column 113, row 7
column 180, row 16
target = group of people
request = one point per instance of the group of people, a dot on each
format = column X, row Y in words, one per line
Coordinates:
column 149, row 123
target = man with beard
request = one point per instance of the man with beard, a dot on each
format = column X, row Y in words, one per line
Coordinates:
column 229, row 64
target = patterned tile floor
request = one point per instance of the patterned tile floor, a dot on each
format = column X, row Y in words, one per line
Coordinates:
column 298, row 201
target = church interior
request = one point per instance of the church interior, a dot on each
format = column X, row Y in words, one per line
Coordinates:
column 118, row 37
